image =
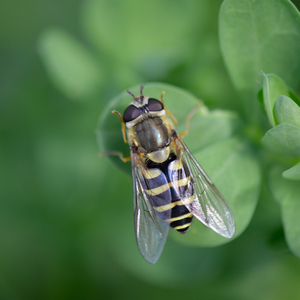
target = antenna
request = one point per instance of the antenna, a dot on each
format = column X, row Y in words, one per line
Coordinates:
column 130, row 93
column 141, row 89
column 138, row 98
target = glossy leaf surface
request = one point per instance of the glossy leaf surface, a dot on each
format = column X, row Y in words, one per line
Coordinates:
column 287, row 111
column 283, row 139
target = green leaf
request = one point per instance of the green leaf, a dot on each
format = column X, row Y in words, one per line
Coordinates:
column 225, row 163
column 72, row 68
column 273, row 87
column 287, row 192
column 259, row 35
column 292, row 173
column 287, row 111
column 284, row 139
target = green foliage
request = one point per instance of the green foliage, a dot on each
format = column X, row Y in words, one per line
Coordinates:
column 250, row 43
column 259, row 35
column 66, row 219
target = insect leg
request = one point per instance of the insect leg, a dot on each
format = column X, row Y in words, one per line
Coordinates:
column 115, row 153
column 166, row 110
column 189, row 116
column 123, row 125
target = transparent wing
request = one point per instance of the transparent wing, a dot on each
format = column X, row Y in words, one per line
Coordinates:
column 151, row 226
column 207, row 205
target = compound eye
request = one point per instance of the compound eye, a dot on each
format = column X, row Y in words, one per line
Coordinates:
column 131, row 113
column 154, row 105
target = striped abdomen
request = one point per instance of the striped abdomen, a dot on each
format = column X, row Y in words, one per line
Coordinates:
column 166, row 185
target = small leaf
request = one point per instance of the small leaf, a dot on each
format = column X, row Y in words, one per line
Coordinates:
column 292, row 173
column 284, row 139
column 287, row 192
column 73, row 70
column 287, row 111
column 273, row 87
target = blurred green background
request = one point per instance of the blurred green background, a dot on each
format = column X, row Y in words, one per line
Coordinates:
column 66, row 225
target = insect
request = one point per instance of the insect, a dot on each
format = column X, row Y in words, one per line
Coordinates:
column 169, row 185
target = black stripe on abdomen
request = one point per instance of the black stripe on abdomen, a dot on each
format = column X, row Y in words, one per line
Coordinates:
column 182, row 225
column 181, row 218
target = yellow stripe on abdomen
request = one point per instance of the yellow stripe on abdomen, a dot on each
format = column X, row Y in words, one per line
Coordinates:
column 186, row 201
column 158, row 190
column 181, row 182
column 166, row 207
column 189, row 215
column 182, row 226
column 151, row 173
column 175, row 165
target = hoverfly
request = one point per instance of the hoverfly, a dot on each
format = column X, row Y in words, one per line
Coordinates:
column 169, row 185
